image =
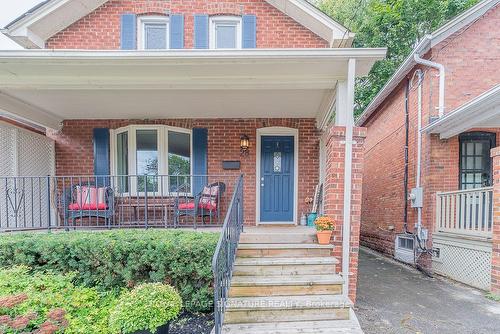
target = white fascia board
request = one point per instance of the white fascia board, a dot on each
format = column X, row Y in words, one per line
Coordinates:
column 462, row 20
column 189, row 55
column 422, row 48
column 314, row 19
column 28, row 112
column 33, row 29
column 471, row 114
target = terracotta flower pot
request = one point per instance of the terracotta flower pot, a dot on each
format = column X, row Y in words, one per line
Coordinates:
column 324, row 237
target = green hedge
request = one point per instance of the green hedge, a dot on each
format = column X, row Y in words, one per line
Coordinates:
column 49, row 302
column 115, row 259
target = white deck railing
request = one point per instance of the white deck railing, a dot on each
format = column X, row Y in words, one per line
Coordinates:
column 465, row 212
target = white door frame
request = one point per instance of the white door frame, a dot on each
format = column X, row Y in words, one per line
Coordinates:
column 278, row 131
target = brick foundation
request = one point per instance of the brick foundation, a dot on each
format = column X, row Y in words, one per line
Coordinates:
column 100, row 30
column 74, row 150
column 495, row 255
column 334, row 194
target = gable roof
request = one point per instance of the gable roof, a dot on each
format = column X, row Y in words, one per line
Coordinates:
column 46, row 19
column 427, row 43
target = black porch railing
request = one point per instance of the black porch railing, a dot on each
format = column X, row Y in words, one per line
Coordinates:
column 72, row 202
column 225, row 254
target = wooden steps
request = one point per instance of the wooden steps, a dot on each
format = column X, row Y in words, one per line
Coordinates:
column 294, row 327
column 286, row 266
column 285, row 283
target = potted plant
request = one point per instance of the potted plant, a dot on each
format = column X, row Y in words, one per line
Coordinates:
column 147, row 309
column 324, row 229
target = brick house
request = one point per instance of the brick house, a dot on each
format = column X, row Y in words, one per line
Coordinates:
column 150, row 97
column 443, row 105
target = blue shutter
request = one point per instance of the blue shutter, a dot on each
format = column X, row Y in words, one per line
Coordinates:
column 249, row 30
column 177, row 31
column 201, row 31
column 101, row 154
column 200, row 159
column 128, row 39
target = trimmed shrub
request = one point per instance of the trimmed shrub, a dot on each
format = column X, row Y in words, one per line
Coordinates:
column 147, row 307
column 51, row 303
column 116, row 259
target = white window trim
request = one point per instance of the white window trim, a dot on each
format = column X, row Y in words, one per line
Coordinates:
column 215, row 20
column 162, row 136
column 141, row 27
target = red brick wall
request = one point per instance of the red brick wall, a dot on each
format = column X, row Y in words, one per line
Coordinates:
column 334, row 195
column 74, row 150
column 471, row 57
column 495, row 255
column 101, row 29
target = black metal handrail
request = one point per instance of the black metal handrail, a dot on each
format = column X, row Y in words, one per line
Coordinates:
column 112, row 201
column 225, row 254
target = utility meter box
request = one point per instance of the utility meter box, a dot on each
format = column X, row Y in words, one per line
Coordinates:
column 417, row 197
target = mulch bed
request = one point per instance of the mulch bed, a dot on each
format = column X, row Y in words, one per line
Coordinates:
column 192, row 323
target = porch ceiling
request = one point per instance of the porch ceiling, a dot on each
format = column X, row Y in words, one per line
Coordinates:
column 47, row 87
column 481, row 112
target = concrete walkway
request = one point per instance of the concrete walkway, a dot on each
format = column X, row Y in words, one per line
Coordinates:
column 393, row 298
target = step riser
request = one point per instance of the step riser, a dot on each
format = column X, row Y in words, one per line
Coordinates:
column 239, row 317
column 286, row 270
column 297, row 252
column 283, row 290
column 277, row 238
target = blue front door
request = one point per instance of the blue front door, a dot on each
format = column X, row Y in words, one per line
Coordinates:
column 276, row 179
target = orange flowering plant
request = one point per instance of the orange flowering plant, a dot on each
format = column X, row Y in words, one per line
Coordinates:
column 324, row 223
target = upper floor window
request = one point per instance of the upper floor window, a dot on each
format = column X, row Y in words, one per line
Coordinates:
column 225, row 32
column 153, row 32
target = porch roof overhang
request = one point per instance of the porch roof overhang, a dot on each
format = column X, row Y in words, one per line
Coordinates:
column 481, row 112
column 47, row 87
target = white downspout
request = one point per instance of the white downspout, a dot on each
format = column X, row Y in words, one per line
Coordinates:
column 419, row 75
column 440, row 67
column 346, row 225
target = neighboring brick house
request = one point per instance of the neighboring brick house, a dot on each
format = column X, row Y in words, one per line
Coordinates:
column 136, row 93
column 460, row 124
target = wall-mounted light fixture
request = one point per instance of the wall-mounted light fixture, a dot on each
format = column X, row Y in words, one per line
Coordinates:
column 244, row 144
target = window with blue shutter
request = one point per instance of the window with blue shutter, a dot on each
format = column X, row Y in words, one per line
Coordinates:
column 128, row 38
column 249, row 39
column 201, row 31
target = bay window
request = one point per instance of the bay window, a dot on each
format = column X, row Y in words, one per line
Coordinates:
column 141, row 154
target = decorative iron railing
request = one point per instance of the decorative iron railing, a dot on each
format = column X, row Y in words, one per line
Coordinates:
column 465, row 212
column 225, row 254
column 71, row 202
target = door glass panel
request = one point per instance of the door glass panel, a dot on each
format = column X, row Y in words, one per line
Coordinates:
column 122, row 161
column 179, row 161
column 147, row 160
column 277, row 162
column 475, row 161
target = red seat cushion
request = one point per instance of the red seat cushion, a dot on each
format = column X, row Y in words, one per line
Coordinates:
column 190, row 206
column 92, row 206
column 186, row 206
column 74, row 206
column 208, row 206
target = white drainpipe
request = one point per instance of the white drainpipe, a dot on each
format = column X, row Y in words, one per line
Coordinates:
column 440, row 67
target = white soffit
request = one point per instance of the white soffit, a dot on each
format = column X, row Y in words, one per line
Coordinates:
column 48, row 18
column 47, row 87
column 481, row 112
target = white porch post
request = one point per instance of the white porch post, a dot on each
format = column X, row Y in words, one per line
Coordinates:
column 347, row 117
